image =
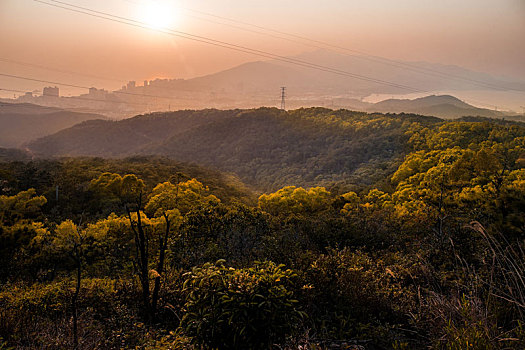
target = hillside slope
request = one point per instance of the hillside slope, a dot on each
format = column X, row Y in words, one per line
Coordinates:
column 265, row 147
column 443, row 106
column 21, row 123
column 122, row 138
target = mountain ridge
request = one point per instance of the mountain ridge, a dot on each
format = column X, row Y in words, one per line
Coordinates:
column 266, row 147
column 443, row 106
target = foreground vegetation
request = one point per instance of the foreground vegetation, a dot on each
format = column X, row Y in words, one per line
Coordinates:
column 152, row 254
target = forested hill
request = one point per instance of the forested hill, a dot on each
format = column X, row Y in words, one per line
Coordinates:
column 126, row 137
column 23, row 122
column 72, row 176
column 271, row 149
column 152, row 253
column 265, row 147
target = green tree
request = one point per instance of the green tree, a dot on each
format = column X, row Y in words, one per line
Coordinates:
column 296, row 200
column 23, row 205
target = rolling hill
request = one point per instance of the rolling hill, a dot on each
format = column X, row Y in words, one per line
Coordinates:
column 443, row 106
column 21, row 123
column 265, row 147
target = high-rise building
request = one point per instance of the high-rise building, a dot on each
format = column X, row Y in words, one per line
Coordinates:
column 97, row 93
column 51, row 91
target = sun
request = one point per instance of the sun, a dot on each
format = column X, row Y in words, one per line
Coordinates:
column 158, row 14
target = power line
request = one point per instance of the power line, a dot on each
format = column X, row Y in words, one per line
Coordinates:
column 81, row 74
column 129, row 93
column 12, row 90
column 240, row 48
column 283, row 96
column 277, row 57
column 27, row 64
column 232, row 26
column 219, row 43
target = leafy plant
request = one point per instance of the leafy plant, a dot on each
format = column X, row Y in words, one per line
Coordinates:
column 250, row 308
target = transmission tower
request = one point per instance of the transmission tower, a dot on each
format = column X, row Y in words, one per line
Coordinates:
column 283, row 96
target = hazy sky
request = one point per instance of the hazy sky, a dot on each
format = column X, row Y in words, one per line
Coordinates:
column 484, row 35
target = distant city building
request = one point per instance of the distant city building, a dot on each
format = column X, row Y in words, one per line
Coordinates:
column 27, row 97
column 51, row 91
column 98, row 93
column 145, row 83
column 131, row 85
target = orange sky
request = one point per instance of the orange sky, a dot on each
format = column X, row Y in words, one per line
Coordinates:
column 484, row 35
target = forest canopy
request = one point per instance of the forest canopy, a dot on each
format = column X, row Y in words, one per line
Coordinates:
column 389, row 231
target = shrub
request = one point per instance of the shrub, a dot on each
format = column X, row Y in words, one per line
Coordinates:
column 249, row 308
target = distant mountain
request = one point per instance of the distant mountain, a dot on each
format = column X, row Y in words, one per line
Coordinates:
column 23, row 122
column 251, row 77
column 265, row 147
column 424, row 76
column 443, row 106
column 319, row 78
column 268, row 76
column 258, row 83
column 423, row 102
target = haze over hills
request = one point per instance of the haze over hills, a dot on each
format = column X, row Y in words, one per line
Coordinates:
column 425, row 76
column 20, row 123
column 14, row 154
column 27, row 122
column 258, row 83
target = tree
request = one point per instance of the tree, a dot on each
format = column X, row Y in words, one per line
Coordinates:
column 170, row 201
column 160, row 217
column 19, row 216
column 296, row 200
column 70, row 240
column 24, row 205
column 128, row 190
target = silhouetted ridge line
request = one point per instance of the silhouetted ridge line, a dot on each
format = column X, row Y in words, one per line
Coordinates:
column 363, row 55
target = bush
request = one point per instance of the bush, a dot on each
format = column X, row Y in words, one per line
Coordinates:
column 250, row 308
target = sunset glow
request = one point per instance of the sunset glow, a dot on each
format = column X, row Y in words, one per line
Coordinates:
column 260, row 174
column 159, row 15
